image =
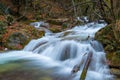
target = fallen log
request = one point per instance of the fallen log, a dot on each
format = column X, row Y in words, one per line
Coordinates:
column 85, row 68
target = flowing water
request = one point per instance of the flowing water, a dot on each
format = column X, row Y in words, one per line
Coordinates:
column 54, row 56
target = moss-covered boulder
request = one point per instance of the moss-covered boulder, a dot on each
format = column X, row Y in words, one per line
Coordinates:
column 109, row 36
column 18, row 35
column 106, row 37
column 16, row 40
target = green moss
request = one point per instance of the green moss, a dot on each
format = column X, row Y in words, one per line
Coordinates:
column 45, row 78
column 55, row 30
column 64, row 25
column 8, row 67
column 83, row 75
column 107, row 37
column 109, row 48
column 116, row 59
column 2, row 27
column 54, row 22
column 118, row 54
column 109, row 55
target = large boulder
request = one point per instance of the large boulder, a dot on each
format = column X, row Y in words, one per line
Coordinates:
column 18, row 35
column 16, row 40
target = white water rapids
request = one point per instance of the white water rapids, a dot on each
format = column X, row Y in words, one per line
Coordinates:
column 60, row 52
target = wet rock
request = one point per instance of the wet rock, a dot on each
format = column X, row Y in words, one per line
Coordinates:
column 39, row 24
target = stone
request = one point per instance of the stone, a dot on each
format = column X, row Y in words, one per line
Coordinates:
column 107, row 37
column 40, row 24
column 16, row 40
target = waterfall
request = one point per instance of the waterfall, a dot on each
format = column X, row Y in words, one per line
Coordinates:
column 62, row 51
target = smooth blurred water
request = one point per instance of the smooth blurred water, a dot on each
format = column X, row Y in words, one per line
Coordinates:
column 53, row 57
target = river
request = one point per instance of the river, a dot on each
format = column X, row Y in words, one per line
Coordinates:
column 58, row 56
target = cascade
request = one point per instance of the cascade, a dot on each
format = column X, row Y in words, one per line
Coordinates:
column 61, row 52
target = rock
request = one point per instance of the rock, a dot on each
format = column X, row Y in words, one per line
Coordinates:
column 58, row 21
column 75, row 69
column 36, row 24
column 106, row 37
column 16, row 40
column 55, row 28
column 17, row 36
column 46, row 25
column 111, row 45
column 116, row 73
column 6, row 49
column 40, row 24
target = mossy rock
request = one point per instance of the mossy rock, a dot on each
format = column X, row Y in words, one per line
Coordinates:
column 8, row 67
column 55, row 30
column 17, row 37
column 109, row 48
column 114, row 58
column 32, row 32
column 16, row 40
column 107, row 37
